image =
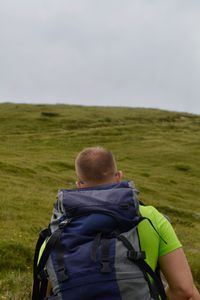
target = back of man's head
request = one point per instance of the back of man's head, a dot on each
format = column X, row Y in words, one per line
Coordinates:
column 95, row 165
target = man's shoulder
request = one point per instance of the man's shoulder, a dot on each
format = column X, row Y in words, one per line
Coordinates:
column 157, row 218
column 149, row 211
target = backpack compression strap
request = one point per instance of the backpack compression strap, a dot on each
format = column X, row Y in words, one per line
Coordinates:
column 138, row 259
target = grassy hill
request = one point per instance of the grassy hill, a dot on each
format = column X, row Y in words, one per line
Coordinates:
column 159, row 150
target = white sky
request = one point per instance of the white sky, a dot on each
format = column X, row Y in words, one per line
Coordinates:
column 143, row 53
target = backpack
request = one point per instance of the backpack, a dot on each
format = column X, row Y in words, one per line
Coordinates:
column 92, row 248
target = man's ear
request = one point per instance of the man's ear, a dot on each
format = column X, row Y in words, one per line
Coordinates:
column 78, row 184
column 119, row 176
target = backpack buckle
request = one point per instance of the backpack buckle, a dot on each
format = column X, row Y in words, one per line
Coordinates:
column 64, row 223
column 62, row 275
column 42, row 275
column 105, row 266
column 136, row 255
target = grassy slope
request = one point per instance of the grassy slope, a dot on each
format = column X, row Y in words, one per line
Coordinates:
column 159, row 150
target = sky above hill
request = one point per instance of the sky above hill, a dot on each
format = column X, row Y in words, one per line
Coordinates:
column 139, row 53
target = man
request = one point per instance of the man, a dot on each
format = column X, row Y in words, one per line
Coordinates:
column 96, row 166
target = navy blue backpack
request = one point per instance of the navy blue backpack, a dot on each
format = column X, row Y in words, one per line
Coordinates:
column 92, row 249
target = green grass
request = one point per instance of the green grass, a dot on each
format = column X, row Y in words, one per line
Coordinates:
column 159, row 150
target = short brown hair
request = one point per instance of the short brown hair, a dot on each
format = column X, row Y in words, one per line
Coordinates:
column 95, row 164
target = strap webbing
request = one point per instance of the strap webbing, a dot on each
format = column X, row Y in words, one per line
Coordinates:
column 105, row 258
column 51, row 243
column 137, row 258
column 62, row 273
column 36, row 282
column 39, row 280
column 94, row 246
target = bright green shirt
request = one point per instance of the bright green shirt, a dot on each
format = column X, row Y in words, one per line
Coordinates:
column 157, row 242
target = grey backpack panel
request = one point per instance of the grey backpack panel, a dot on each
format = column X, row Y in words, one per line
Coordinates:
column 131, row 281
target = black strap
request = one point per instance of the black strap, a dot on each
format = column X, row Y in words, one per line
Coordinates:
column 132, row 253
column 105, row 258
column 138, row 259
column 94, row 246
column 62, row 273
column 42, row 237
column 39, row 273
column 51, row 243
column 36, row 282
column 144, row 266
column 43, row 288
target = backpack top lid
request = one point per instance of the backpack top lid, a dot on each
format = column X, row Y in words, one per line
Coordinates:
column 105, row 206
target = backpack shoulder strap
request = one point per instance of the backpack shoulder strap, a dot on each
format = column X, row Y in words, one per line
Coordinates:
column 39, row 274
column 138, row 257
column 44, row 234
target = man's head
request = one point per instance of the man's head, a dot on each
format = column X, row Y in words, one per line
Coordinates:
column 95, row 166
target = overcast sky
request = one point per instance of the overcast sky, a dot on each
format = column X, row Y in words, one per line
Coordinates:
column 140, row 53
